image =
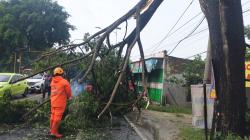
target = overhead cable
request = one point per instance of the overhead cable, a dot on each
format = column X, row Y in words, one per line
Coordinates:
column 198, row 25
column 166, row 36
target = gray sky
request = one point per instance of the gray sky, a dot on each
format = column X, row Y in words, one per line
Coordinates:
column 86, row 15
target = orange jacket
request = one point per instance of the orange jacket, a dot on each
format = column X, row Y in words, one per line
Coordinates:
column 60, row 91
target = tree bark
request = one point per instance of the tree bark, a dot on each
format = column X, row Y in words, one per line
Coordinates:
column 225, row 23
column 208, row 68
column 234, row 97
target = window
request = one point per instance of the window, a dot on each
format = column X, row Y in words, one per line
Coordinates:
column 38, row 76
column 14, row 78
column 4, row 78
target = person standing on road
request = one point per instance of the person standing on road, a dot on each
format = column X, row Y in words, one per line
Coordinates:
column 47, row 81
column 60, row 93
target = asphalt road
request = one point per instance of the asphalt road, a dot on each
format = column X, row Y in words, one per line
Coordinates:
column 33, row 96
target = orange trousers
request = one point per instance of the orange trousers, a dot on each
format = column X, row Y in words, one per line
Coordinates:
column 55, row 118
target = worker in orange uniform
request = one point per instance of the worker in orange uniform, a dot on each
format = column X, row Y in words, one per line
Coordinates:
column 60, row 92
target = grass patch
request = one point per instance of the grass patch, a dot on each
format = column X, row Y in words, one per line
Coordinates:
column 171, row 109
column 188, row 133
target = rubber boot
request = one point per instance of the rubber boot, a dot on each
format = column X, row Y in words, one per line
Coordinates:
column 54, row 130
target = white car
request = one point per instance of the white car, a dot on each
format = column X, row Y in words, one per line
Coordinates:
column 36, row 83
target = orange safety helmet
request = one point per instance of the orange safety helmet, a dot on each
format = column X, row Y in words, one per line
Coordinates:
column 58, row 70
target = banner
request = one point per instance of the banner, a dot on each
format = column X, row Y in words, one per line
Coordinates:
column 247, row 73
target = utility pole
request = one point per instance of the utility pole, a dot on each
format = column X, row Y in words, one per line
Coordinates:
column 117, row 28
column 21, row 51
column 206, row 80
column 14, row 70
column 20, row 61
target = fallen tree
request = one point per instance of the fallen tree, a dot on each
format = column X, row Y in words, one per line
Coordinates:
column 127, row 44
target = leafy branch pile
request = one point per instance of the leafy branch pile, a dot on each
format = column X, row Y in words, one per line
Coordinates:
column 11, row 112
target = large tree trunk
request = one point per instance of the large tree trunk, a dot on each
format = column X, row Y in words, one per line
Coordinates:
column 234, row 97
column 225, row 23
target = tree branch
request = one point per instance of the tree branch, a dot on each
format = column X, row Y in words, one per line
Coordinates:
column 109, row 30
column 52, row 67
column 124, row 66
column 144, row 70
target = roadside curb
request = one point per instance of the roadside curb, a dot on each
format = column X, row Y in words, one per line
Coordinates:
column 153, row 125
column 135, row 128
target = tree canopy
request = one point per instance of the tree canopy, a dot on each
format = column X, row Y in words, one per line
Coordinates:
column 247, row 35
column 31, row 25
column 193, row 72
column 247, row 32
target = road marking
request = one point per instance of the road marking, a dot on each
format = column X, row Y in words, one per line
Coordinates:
column 135, row 128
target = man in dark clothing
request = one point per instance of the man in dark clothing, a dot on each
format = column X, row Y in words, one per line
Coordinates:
column 47, row 78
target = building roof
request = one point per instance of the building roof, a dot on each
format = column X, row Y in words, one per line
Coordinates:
column 175, row 65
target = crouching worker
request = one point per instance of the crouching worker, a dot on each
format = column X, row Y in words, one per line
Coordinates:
column 60, row 93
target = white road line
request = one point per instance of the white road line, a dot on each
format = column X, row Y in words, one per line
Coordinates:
column 135, row 128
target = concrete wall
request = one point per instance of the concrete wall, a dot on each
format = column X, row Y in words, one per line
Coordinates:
column 175, row 65
column 175, row 94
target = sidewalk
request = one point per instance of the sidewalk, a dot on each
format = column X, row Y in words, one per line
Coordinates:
column 158, row 125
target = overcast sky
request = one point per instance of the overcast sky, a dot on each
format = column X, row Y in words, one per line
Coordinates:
column 86, row 15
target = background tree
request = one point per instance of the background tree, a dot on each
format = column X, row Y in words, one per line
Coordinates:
column 247, row 35
column 247, row 55
column 247, row 32
column 34, row 25
column 70, row 70
column 193, row 72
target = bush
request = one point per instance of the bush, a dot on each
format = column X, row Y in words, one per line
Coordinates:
column 230, row 136
column 11, row 112
column 81, row 113
column 41, row 115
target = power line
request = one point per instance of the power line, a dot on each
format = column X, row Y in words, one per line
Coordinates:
column 246, row 3
column 197, row 16
column 185, row 23
column 246, row 15
column 196, row 41
column 166, row 36
column 205, row 28
column 197, row 26
column 170, row 34
column 195, row 55
column 246, row 11
column 199, row 32
column 195, row 34
column 194, row 17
